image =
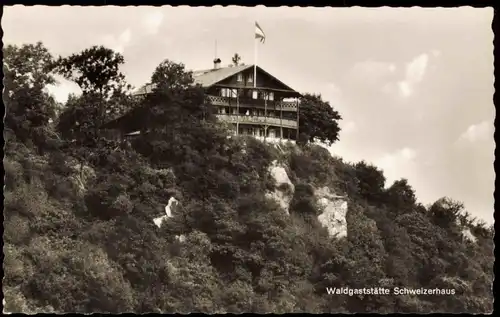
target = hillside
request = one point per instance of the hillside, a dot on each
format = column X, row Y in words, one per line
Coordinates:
column 189, row 218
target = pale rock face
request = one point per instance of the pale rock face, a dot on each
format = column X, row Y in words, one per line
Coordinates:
column 159, row 220
column 180, row 238
column 468, row 235
column 4, row 303
column 279, row 174
column 334, row 212
column 172, row 203
column 88, row 174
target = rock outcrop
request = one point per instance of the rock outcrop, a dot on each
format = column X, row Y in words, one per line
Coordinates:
column 172, row 204
column 334, row 212
column 283, row 192
column 467, row 234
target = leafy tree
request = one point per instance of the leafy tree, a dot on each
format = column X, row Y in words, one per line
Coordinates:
column 445, row 211
column 175, row 114
column 236, row 59
column 30, row 108
column 171, row 76
column 175, row 101
column 371, row 182
column 77, row 125
column 78, row 121
column 95, row 70
column 366, row 259
column 401, row 196
column 303, row 200
column 318, row 120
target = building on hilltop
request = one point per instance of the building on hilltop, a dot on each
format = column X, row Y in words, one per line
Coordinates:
column 266, row 108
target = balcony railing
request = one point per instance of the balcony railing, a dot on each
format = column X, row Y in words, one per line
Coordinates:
column 260, row 120
column 254, row 103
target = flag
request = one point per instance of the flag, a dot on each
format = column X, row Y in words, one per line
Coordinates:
column 259, row 34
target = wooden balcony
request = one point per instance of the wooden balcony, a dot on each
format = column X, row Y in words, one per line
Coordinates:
column 253, row 103
column 258, row 120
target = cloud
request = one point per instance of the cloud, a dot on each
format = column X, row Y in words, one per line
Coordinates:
column 404, row 88
column 382, row 75
column 349, row 127
column 398, row 164
column 476, row 133
column 62, row 89
column 125, row 37
column 415, row 72
column 152, row 21
column 332, row 94
column 118, row 43
column 372, row 72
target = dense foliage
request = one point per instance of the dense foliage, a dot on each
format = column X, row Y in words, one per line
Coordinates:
column 318, row 120
column 79, row 233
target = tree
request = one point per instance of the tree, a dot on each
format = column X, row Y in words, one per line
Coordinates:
column 104, row 97
column 236, row 59
column 318, row 120
column 175, row 98
column 445, row 211
column 95, row 70
column 371, row 182
column 173, row 113
column 171, row 76
column 401, row 195
column 30, row 108
column 303, row 200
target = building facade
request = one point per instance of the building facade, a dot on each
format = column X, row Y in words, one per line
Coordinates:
column 250, row 100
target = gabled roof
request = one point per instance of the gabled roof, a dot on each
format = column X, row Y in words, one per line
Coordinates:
column 209, row 77
column 147, row 88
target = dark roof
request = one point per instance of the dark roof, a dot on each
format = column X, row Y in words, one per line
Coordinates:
column 147, row 88
column 129, row 121
column 209, row 77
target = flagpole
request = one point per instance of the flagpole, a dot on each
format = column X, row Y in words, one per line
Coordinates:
column 255, row 67
column 255, row 62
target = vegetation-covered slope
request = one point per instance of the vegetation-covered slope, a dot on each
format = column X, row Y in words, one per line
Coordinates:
column 79, row 234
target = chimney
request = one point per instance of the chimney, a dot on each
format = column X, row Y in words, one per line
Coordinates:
column 217, row 63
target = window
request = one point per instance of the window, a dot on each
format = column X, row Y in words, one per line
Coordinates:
column 250, row 78
column 240, row 77
column 271, row 96
column 255, row 94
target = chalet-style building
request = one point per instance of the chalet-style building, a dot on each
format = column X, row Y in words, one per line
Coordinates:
column 266, row 108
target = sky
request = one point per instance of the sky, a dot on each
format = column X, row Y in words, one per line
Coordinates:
column 414, row 85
